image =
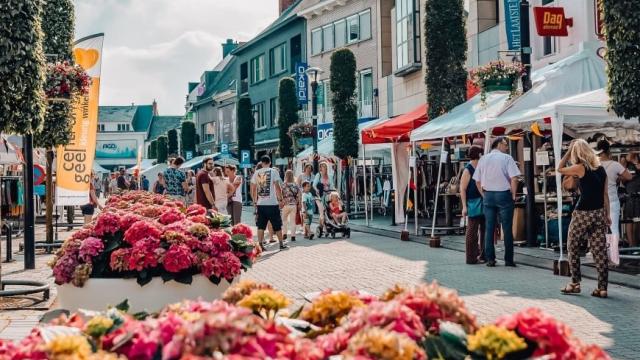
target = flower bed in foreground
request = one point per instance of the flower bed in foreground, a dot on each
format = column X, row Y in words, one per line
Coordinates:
column 423, row 322
column 142, row 235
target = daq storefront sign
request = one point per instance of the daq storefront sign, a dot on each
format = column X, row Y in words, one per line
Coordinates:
column 302, row 83
column 551, row 21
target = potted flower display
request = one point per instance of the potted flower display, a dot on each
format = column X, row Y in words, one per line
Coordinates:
column 497, row 76
column 251, row 322
column 301, row 134
column 151, row 248
column 64, row 80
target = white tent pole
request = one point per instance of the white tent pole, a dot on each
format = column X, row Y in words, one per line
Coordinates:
column 435, row 204
column 557, row 125
column 364, row 171
column 406, row 214
column 415, row 192
column 371, row 181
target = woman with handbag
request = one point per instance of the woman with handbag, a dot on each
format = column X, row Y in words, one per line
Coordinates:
column 471, row 199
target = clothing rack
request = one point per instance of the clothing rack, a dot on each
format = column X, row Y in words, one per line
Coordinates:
column 11, row 211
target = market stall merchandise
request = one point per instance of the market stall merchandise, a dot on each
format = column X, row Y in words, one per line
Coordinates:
column 150, row 239
column 425, row 321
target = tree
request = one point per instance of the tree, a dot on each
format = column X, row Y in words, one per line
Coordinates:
column 287, row 114
column 58, row 28
column 622, row 33
column 345, row 110
column 188, row 135
column 163, row 149
column 22, row 67
column 246, row 125
column 446, row 54
column 153, row 149
column 172, row 138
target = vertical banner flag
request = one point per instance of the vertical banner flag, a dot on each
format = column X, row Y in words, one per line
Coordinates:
column 302, row 87
column 512, row 23
column 139, row 167
column 75, row 160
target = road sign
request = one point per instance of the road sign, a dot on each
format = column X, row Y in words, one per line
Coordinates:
column 245, row 157
column 188, row 155
column 224, row 148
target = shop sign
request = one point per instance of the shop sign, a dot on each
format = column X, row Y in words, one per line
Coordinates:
column 512, row 23
column 325, row 131
column 551, row 21
column 302, row 83
column 599, row 15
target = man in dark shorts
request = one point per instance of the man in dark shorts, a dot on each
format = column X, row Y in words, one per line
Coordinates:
column 266, row 191
column 123, row 184
column 204, row 185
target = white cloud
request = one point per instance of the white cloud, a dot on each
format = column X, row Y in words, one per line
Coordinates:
column 153, row 48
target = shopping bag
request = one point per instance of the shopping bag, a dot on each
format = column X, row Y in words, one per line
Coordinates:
column 612, row 249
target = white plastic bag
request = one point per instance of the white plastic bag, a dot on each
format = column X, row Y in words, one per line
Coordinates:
column 612, row 249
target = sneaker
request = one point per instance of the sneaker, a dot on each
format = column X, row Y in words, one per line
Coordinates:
column 293, row 238
column 491, row 263
column 311, row 237
column 283, row 246
column 264, row 244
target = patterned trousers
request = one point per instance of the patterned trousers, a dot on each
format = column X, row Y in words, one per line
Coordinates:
column 588, row 229
column 474, row 239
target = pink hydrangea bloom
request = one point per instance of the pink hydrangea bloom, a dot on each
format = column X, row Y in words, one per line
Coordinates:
column 195, row 210
column 127, row 220
column 90, row 248
column 178, row 258
column 64, row 268
column 243, row 230
column 144, row 254
column 120, row 259
column 142, row 229
column 216, row 243
column 106, row 223
column 171, row 216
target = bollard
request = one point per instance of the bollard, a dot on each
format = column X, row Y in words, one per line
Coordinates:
column 9, row 231
column 393, row 208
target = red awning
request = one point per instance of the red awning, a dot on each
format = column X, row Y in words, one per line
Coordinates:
column 397, row 129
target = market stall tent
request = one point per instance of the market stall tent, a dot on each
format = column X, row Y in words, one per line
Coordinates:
column 217, row 159
column 99, row 169
column 152, row 172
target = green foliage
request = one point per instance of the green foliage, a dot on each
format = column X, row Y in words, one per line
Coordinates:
column 288, row 114
column 345, row 109
column 163, row 149
column 153, row 150
column 22, row 66
column 172, row 137
column 246, row 125
column 58, row 27
column 188, row 137
column 445, row 54
column 622, row 32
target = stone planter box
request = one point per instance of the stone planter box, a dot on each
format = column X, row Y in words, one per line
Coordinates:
column 98, row 294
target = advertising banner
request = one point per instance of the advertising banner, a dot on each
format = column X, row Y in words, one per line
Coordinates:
column 551, row 21
column 512, row 23
column 117, row 149
column 302, row 83
column 75, row 160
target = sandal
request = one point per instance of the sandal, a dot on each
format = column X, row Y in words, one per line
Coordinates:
column 599, row 293
column 571, row 288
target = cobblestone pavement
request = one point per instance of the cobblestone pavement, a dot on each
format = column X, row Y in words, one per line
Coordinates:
column 374, row 263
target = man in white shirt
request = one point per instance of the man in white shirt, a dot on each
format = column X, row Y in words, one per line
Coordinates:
column 496, row 178
column 615, row 173
column 266, row 191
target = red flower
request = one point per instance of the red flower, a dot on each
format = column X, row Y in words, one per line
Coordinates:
column 216, row 243
column 196, row 209
column 145, row 254
column 142, row 230
column 119, row 260
column 127, row 220
column 243, row 230
column 107, row 223
column 178, row 258
column 200, row 219
column 171, row 216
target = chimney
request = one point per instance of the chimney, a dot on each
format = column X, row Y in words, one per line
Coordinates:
column 155, row 107
column 285, row 4
column 228, row 47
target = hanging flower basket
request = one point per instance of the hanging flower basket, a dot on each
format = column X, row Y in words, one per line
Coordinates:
column 497, row 76
column 65, row 81
column 301, row 130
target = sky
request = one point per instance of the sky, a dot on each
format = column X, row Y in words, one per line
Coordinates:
column 153, row 48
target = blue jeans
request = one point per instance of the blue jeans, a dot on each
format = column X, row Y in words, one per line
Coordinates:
column 498, row 202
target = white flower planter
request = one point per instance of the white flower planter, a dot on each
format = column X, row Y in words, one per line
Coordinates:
column 98, row 294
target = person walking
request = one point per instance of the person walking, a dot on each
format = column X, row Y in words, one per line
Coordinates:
column 615, row 173
column 291, row 195
column 160, row 186
column 308, row 208
column 122, row 182
column 89, row 209
column 266, row 191
column 221, row 191
column 105, row 186
column 176, row 180
column 145, row 183
column 591, row 218
column 496, row 178
column 204, row 185
column 307, row 175
column 632, row 204
column 234, row 207
column 472, row 209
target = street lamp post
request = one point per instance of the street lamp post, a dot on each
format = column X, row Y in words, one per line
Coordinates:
column 313, row 73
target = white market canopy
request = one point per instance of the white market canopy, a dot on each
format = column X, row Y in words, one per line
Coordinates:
column 579, row 73
column 99, row 169
column 145, row 164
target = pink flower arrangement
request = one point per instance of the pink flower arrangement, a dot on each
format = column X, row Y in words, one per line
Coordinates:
column 141, row 231
column 242, row 229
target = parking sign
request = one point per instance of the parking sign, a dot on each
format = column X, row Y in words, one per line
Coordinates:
column 245, row 159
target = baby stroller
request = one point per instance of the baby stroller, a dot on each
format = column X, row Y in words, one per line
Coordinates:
column 327, row 225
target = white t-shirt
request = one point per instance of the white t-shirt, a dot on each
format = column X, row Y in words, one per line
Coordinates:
column 237, row 196
column 614, row 169
column 220, row 189
column 265, row 180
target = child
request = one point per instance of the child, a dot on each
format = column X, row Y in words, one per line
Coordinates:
column 308, row 208
column 335, row 209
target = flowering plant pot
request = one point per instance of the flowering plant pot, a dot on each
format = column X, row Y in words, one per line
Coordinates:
column 504, row 84
column 301, row 130
column 497, row 76
column 145, row 237
column 65, row 80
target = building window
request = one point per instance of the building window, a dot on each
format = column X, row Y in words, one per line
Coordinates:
column 124, row 127
column 404, row 13
column 316, row 41
column 101, row 127
column 277, row 59
column 258, row 113
column 340, row 31
column 365, row 25
column 257, row 69
column 327, row 37
column 353, row 24
column 273, row 111
column 365, row 93
column 208, row 132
